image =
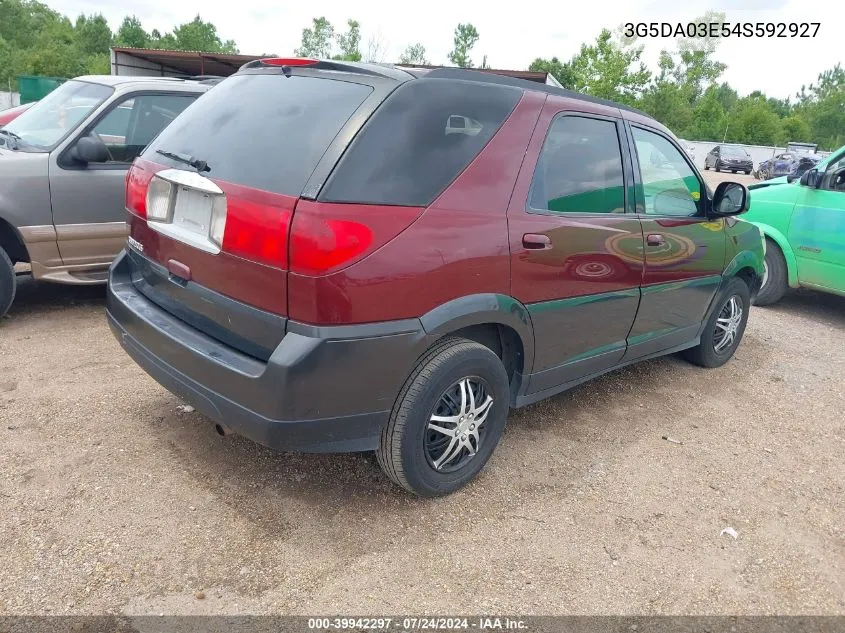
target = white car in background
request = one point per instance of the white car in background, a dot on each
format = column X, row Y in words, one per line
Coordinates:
column 688, row 147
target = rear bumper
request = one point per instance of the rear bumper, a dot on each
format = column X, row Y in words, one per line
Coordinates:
column 323, row 389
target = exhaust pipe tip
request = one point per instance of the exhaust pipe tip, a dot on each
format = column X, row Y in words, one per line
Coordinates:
column 222, row 431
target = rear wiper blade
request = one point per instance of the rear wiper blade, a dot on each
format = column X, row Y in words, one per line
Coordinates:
column 17, row 139
column 199, row 165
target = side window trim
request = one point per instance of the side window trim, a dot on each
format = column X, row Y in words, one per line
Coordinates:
column 63, row 160
column 705, row 200
column 628, row 169
column 636, row 181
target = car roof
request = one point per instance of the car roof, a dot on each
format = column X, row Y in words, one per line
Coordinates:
column 406, row 73
column 128, row 82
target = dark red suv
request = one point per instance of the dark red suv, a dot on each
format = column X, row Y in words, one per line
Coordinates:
column 331, row 256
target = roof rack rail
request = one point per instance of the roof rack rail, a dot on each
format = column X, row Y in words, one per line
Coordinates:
column 361, row 68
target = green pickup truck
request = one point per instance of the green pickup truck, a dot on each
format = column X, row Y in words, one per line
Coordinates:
column 803, row 219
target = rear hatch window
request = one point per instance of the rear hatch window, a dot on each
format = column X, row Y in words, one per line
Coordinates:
column 263, row 131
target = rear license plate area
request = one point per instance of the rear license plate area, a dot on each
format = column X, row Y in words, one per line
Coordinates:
column 191, row 219
column 192, row 211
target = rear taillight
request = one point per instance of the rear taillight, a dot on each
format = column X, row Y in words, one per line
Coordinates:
column 248, row 223
column 326, row 237
column 256, row 225
column 320, row 245
column 137, row 181
column 262, row 227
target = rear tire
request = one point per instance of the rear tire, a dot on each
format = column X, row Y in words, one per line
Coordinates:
column 440, row 386
column 8, row 283
column 706, row 167
column 775, row 280
column 728, row 319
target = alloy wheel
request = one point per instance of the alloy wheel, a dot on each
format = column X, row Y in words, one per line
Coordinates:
column 456, row 428
column 727, row 324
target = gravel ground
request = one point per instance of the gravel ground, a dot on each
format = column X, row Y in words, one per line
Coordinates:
column 111, row 500
column 714, row 178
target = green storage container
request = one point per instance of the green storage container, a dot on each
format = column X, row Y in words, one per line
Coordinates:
column 34, row 88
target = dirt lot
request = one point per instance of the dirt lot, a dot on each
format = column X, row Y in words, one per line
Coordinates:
column 112, row 500
column 714, row 178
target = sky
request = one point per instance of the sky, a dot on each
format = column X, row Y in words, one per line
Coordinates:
column 513, row 34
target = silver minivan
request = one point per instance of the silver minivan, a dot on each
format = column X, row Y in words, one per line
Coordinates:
column 63, row 167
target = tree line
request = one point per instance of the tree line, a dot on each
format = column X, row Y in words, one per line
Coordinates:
column 322, row 41
column 685, row 92
column 36, row 40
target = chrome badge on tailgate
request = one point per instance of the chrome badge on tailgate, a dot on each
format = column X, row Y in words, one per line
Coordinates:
column 133, row 243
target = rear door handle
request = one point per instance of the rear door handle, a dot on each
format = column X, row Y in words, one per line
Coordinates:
column 535, row 241
column 655, row 239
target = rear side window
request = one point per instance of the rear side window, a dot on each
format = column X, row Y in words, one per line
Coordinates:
column 420, row 139
column 579, row 169
column 262, row 131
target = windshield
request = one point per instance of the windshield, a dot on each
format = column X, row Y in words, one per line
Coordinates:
column 734, row 152
column 47, row 122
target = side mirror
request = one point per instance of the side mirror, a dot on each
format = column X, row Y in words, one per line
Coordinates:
column 90, row 150
column 730, row 198
column 810, row 178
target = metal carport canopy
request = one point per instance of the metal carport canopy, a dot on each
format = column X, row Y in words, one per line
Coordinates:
column 164, row 63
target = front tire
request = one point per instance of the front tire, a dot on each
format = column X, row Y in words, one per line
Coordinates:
column 716, row 167
column 447, row 419
column 775, row 279
column 725, row 327
column 8, row 283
